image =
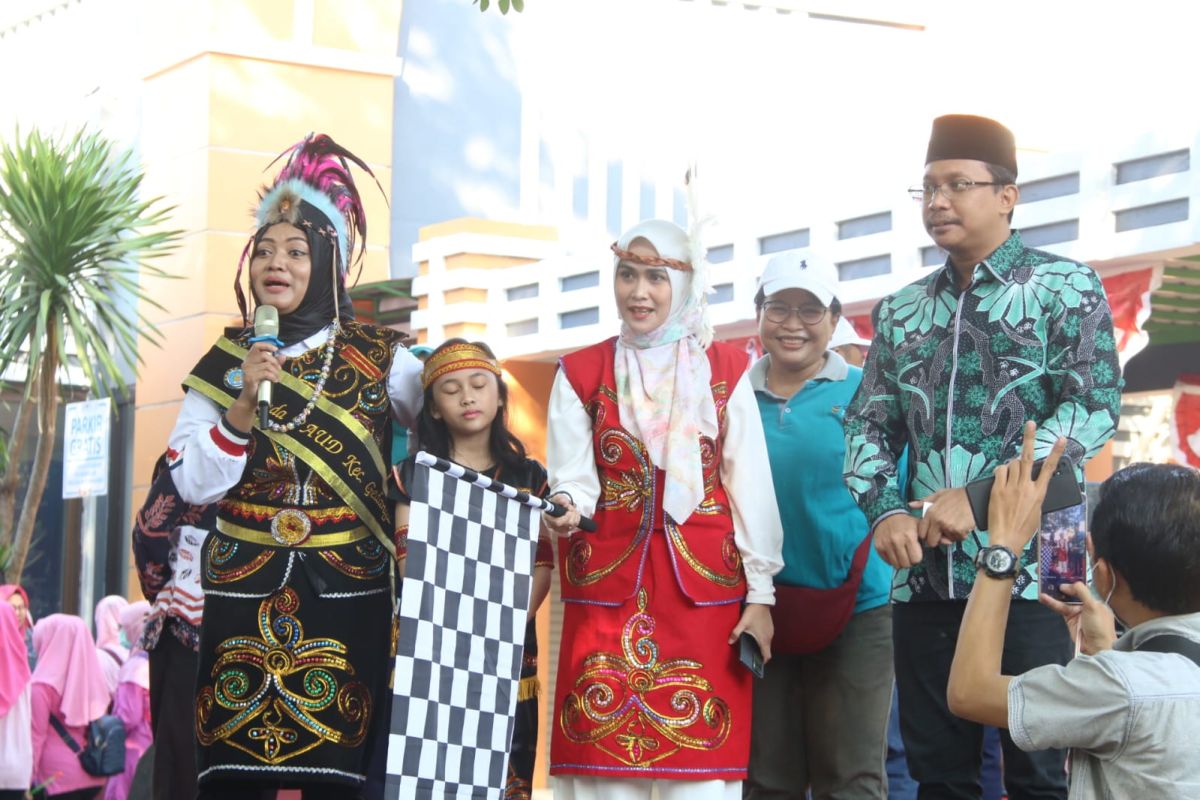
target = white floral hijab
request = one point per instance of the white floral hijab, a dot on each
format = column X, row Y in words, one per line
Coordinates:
column 663, row 377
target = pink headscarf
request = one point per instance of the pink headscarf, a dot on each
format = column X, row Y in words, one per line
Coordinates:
column 7, row 591
column 108, row 624
column 67, row 662
column 14, row 663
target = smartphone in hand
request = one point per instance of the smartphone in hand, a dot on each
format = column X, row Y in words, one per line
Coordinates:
column 1063, row 491
column 1062, row 551
column 750, row 654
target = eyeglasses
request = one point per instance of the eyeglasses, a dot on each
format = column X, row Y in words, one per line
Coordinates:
column 949, row 189
column 779, row 313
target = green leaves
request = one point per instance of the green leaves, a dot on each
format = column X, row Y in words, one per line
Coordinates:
column 74, row 236
column 515, row 5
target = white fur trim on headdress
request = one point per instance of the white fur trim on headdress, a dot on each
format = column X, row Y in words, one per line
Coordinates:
column 282, row 204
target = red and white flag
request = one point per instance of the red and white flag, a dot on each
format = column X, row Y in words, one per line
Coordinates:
column 1185, row 421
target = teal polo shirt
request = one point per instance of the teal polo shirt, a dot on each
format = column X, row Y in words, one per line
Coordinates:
column 806, row 445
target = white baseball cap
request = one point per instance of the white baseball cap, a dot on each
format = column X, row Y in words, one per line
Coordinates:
column 844, row 333
column 798, row 270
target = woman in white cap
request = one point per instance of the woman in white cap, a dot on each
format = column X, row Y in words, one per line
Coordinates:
column 655, row 433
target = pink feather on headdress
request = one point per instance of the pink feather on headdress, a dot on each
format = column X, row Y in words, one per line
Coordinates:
column 321, row 163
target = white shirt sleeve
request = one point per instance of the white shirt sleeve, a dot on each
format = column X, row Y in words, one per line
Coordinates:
column 202, row 470
column 746, row 475
column 570, row 457
column 404, row 387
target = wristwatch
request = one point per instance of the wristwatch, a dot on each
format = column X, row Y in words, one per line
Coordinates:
column 998, row 562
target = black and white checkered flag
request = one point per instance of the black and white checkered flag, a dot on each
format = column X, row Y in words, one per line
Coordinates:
column 462, row 628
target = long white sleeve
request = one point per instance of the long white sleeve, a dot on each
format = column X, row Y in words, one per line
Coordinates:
column 404, row 387
column 570, row 456
column 206, row 461
column 746, row 475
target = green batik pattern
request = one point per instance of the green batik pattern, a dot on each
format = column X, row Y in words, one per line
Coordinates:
column 1034, row 341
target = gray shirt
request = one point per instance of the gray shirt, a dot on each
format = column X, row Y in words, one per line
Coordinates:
column 1132, row 719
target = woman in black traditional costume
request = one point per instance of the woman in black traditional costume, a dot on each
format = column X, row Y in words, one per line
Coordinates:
column 298, row 575
column 463, row 419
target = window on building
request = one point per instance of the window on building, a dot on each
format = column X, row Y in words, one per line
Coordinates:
column 646, row 201
column 722, row 293
column 1140, row 169
column 932, row 256
column 865, row 267
column 1046, row 188
column 579, row 317
column 525, row 327
column 584, row 280
column 1050, row 233
column 865, row 226
column 522, row 292
column 778, row 242
column 720, row 254
column 1154, row 214
column 613, row 198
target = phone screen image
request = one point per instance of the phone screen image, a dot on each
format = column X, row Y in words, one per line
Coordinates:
column 1062, row 550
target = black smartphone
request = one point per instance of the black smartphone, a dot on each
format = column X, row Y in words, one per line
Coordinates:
column 1063, row 491
column 750, row 654
column 1062, row 551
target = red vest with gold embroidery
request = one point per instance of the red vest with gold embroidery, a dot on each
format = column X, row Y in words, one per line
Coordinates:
column 606, row 566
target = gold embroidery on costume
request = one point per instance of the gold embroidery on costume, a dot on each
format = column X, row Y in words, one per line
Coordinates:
column 370, row 550
column 619, row 696
column 631, row 491
column 251, row 679
column 708, row 465
column 734, row 562
column 221, row 551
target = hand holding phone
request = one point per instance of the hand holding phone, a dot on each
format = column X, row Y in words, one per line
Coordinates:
column 750, row 654
column 1062, row 492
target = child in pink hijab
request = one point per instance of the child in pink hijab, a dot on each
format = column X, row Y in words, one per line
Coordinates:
column 16, row 752
column 132, row 699
column 68, row 684
column 108, row 638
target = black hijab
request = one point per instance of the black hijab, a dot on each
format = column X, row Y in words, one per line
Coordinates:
column 322, row 297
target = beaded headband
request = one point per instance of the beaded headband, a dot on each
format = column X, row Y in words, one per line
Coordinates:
column 650, row 261
column 455, row 357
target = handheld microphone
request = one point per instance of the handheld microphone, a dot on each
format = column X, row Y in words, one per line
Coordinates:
column 266, row 325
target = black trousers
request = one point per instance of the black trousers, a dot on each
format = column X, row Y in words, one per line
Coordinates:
column 945, row 752
column 173, row 718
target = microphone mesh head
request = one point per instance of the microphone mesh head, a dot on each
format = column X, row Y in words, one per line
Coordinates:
column 266, row 321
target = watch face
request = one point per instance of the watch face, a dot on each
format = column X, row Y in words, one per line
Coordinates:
column 998, row 561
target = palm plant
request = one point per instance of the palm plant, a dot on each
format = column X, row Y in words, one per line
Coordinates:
column 74, row 234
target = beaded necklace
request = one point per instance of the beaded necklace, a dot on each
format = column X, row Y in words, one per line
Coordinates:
column 298, row 420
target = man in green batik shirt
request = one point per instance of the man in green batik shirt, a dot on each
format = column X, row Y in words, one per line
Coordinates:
column 961, row 360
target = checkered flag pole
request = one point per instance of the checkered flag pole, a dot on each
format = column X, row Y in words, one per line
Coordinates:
column 463, row 606
column 492, row 485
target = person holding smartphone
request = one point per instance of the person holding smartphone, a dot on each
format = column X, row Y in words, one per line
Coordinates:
column 962, row 358
column 1128, row 707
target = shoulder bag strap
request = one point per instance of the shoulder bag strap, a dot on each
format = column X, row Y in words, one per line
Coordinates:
column 1171, row 643
column 61, row 730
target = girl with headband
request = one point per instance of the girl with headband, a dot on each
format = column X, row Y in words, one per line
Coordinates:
column 464, row 419
column 656, row 434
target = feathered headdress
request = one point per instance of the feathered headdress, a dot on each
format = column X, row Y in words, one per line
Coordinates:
column 317, row 173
